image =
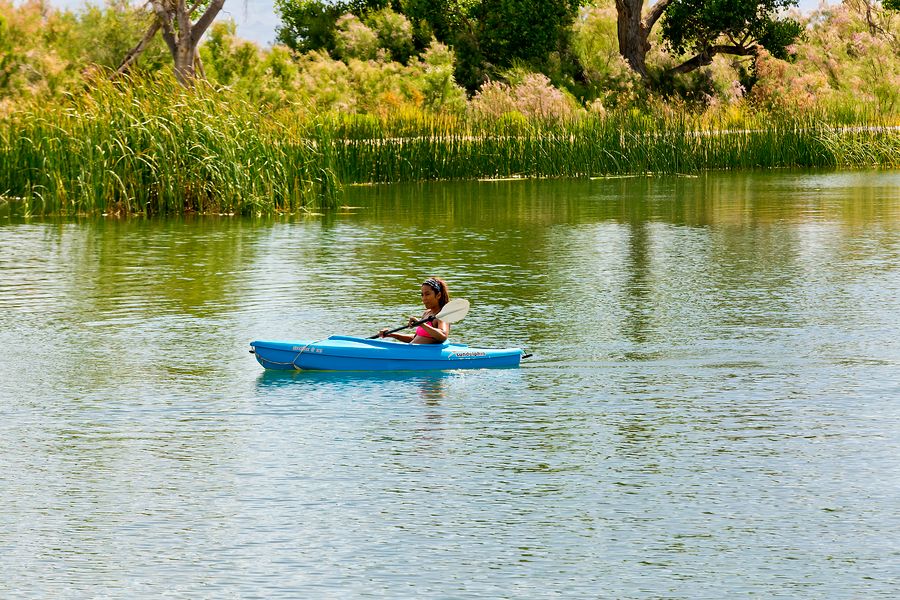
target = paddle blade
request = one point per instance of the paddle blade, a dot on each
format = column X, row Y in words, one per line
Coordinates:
column 453, row 311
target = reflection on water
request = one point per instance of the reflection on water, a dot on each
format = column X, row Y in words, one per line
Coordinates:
column 339, row 385
column 711, row 407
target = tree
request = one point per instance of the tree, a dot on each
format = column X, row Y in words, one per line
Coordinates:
column 454, row 23
column 880, row 20
column 704, row 28
column 486, row 35
column 526, row 30
column 395, row 34
column 308, row 25
column 229, row 60
column 180, row 34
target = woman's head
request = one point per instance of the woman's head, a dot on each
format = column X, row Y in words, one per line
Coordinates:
column 434, row 290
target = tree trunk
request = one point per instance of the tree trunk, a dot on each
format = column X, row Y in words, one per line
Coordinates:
column 634, row 29
column 183, row 41
column 633, row 44
column 184, row 60
column 184, row 67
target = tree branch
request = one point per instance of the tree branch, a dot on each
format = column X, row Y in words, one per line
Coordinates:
column 206, row 20
column 165, row 20
column 184, row 21
column 133, row 55
column 137, row 50
column 705, row 57
column 198, row 64
column 655, row 12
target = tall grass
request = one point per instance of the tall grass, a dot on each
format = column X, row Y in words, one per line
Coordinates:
column 618, row 143
column 153, row 148
column 158, row 150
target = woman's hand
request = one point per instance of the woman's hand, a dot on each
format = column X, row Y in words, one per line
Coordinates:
column 383, row 332
column 414, row 320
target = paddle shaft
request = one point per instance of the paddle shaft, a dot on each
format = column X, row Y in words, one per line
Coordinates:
column 452, row 312
column 417, row 323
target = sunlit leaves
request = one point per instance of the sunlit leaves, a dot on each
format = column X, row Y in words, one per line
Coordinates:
column 694, row 26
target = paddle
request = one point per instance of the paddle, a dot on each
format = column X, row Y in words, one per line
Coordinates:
column 453, row 311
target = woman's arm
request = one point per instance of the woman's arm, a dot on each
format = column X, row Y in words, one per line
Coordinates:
column 403, row 337
column 438, row 330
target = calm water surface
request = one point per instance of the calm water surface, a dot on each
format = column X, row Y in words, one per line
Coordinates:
column 713, row 406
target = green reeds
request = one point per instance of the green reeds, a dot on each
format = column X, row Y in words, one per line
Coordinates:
column 613, row 144
column 154, row 148
column 158, row 149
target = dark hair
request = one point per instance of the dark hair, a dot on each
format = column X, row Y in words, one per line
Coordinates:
column 439, row 286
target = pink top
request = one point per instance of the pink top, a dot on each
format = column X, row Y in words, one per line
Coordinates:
column 424, row 332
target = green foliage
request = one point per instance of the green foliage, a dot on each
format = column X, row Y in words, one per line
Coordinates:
column 103, row 35
column 387, row 107
column 308, row 25
column 347, row 29
column 46, row 52
column 227, row 59
column 439, row 89
column 527, row 30
column 442, row 19
column 395, row 34
column 498, row 34
column 315, row 82
column 486, row 35
column 695, row 26
column 608, row 81
column 777, row 36
column 354, row 39
column 844, row 62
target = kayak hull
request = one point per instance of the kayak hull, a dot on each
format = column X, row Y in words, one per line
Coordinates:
column 345, row 353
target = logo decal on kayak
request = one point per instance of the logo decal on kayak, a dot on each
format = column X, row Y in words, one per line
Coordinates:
column 468, row 354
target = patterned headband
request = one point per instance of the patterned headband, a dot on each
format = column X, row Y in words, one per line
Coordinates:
column 433, row 284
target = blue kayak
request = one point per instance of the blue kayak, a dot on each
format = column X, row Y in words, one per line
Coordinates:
column 344, row 353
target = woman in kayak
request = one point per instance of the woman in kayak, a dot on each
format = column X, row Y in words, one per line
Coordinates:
column 434, row 296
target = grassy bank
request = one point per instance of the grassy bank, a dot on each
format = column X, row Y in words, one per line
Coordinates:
column 616, row 143
column 156, row 149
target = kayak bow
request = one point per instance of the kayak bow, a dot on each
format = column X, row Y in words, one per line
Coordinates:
column 345, row 353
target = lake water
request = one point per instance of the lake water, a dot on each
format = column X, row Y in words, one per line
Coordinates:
column 712, row 408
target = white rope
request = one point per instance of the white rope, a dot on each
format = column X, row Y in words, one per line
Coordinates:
column 302, row 350
column 293, row 362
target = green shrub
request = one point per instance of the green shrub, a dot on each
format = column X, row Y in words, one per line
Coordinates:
column 354, row 39
column 395, row 34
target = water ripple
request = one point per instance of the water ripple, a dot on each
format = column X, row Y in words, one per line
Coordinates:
column 710, row 408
